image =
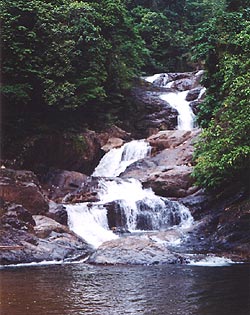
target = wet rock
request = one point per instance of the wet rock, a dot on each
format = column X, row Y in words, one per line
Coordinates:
column 135, row 250
column 232, row 231
column 88, row 192
column 186, row 81
column 57, row 183
column 167, row 172
column 21, row 187
column 183, row 84
column 193, row 94
column 152, row 114
column 112, row 143
column 50, row 241
column 116, row 216
column 58, row 213
column 195, row 105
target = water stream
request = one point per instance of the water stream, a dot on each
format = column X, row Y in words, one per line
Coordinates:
column 177, row 99
column 140, row 208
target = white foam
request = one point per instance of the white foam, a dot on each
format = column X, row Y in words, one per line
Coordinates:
column 118, row 159
column 212, row 261
column 178, row 101
column 90, row 223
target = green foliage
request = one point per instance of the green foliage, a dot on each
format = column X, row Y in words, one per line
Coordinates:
column 65, row 54
column 223, row 152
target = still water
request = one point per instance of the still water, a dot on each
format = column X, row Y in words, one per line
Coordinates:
column 151, row 290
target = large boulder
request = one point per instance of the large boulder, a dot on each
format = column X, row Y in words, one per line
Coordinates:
column 138, row 250
column 45, row 226
column 150, row 113
column 193, row 94
column 186, row 81
column 17, row 217
column 58, row 213
column 112, row 143
column 176, row 182
column 168, row 171
column 58, row 183
column 27, row 239
column 88, row 192
column 22, row 187
column 169, row 139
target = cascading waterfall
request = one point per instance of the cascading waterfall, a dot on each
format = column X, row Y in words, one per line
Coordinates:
column 186, row 117
column 137, row 208
column 178, row 101
column 140, row 208
column 90, row 222
column 118, row 159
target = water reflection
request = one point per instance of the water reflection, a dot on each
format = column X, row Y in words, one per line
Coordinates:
column 148, row 290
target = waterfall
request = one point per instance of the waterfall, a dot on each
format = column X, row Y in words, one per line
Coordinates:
column 140, row 209
column 118, row 159
column 124, row 203
column 178, row 101
column 90, row 222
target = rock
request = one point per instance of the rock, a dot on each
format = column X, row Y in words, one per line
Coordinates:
column 88, row 192
column 21, row 187
column 58, row 183
column 232, row 231
column 79, row 151
column 150, row 113
column 168, row 139
column 17, row 217
column 49, row 241
column 176, row 182
column 193, row 94
column 112, row 143
column 45, row 226
column 186, row 81
column 163, row 79
column 183, row 84
column 136, row 250
column 195, row 105
column 58, row 213
column 168, row 171
column 116, row 216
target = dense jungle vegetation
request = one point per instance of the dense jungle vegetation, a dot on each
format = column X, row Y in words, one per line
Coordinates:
column 61, row 56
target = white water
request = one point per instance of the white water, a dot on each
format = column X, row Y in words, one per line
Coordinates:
column 142, row 209
column 212, row 261
column 118, row 159
column 90, row 222
column 162, row 77
column 178, row 101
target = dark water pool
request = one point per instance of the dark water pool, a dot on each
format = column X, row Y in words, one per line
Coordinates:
column 153, row 290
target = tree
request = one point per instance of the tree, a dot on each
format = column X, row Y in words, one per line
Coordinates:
column 65, row 54
column 223, row 152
